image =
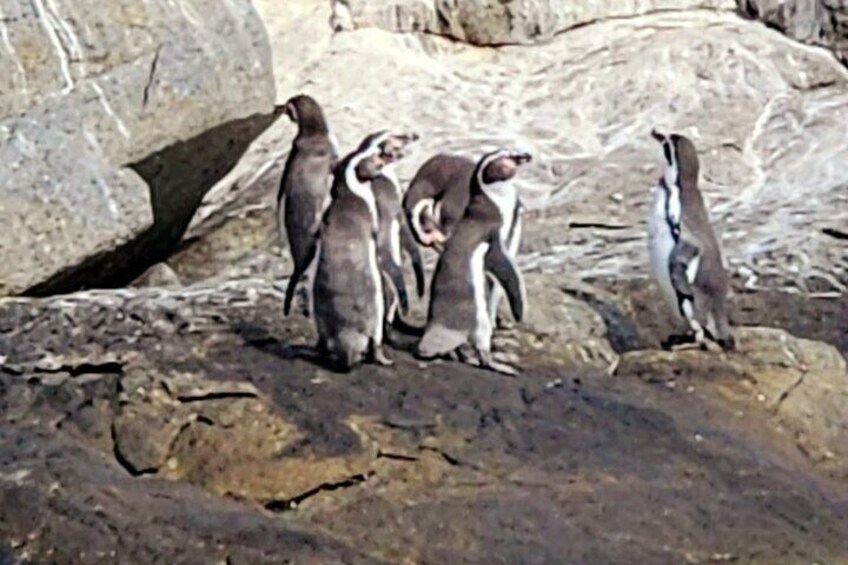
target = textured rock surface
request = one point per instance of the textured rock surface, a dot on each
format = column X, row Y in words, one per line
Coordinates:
column 437, row 464
column 492, row 22
column 766, row 112
column 801, row 384
column 91, row 88
column 817, row 22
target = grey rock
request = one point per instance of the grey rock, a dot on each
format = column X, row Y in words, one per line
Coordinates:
column 493, row 22
column 800, row 385
column 766, row 114
column 817, row 22
column 91, row 92
column 377, row 464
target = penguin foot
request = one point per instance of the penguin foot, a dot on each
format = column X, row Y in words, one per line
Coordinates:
column 700, row 345
column 505, row 357
column 462, row 355
column 378, row 356
column 504, row 322
column 727, row 343
column 678, row 340
column 488, row 362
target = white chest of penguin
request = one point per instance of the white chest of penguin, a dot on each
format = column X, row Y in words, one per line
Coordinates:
column 505, row 197
column 661, row 241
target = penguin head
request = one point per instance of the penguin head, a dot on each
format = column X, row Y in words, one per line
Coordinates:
column 681, row 158
column 500, row 165
column 394, row 147
column 379, row 150
column 304, row 111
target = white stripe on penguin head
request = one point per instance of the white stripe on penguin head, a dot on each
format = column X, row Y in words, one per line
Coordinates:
column 501, row 193
column 672, row 173
column 671, row 176
column 360, row 189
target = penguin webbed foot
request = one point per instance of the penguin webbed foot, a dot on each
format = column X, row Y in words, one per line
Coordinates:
column 378, row 356
column 463, row 354
column 503, row 322
column 675, row 341
column 487, row 361
column 727, row 343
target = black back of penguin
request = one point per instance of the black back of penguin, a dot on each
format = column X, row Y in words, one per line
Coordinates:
column 305, row 184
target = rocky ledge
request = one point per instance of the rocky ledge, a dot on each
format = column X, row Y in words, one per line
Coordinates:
column 168, row 425
column 181, row 419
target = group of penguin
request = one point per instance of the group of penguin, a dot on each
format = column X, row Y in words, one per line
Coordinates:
column 349, row 222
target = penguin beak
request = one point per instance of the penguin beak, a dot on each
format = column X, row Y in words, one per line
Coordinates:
column 289, row 111
column 522, row 158
column 657, row 135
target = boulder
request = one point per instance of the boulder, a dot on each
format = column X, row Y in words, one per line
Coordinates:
column 816, row 22
column 101, row 106
column 561, row 329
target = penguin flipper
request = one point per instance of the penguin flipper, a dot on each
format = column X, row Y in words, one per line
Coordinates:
column 298, row 274
column 683, row 268
column 411, row 248
column 392, row 270
column 501, row 266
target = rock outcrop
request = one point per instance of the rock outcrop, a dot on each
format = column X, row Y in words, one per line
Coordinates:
column 765, row 112
column 800, row 385
column 495, row 23
column 93, row 92
column 188, row 420
column 179, row 419
column 817, row 22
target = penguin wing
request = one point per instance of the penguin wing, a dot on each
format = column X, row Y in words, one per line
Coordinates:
column 392, row 270
column 311, row 250
column 407, row 240
column 501, row 266
column 683, row 267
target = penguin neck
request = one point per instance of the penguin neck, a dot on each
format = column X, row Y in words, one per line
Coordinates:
column 503, row 196
column 361, row 190
column 312, row 123
column 390, row 174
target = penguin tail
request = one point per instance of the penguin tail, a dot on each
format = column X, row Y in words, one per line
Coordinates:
column 349, row 351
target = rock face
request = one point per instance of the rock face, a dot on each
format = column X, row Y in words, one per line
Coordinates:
column 492, row 22
column 180, row 427
column 90, row 89
column 817, row 22
column 765, row 112
column 801, row 385
column 171, row 423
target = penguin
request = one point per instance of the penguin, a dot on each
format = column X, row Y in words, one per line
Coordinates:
column 458, row 312
column 348, row 291
column 304, row 191
column 436, row 201
column 686, row 260
column 437, row 197
column 394, row 237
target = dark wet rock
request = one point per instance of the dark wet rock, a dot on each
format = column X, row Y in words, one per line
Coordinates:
column 94, row 93
column 63, row 502
column 434, row 463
